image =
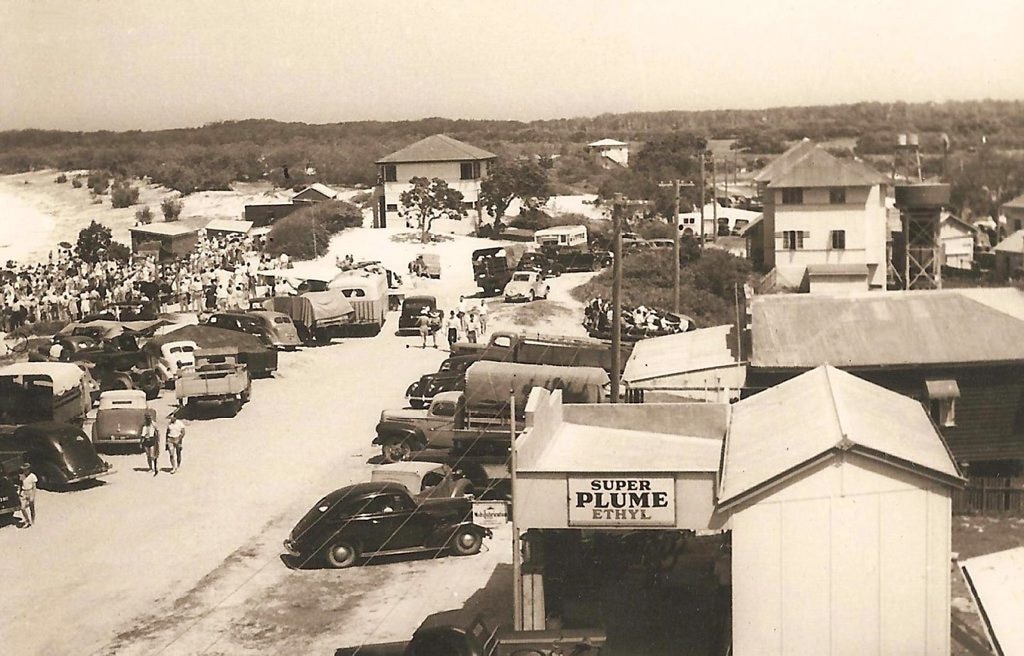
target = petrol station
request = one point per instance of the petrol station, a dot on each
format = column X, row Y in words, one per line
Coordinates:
column 678, row 527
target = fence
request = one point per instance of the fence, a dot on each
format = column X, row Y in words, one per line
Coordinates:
column 990, row 495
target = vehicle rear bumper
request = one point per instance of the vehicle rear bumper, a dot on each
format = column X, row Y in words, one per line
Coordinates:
column 291, row 549
column 90, row 477
column 108, row 441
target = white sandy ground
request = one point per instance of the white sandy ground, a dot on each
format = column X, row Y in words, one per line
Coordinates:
column 188, row 564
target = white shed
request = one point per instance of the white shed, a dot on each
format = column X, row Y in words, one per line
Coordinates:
column 838, row 495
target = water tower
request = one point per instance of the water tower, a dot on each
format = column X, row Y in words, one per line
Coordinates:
column 906, row 161
column 920, row 207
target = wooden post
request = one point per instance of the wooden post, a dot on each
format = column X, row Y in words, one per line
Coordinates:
column 616, row 296
column 675, row 246
column 702, row 158
column 714, row 200
column 517, row 566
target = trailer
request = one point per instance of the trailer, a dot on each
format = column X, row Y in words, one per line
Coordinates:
column 368, row 294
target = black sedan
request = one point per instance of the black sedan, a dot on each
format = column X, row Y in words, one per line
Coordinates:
column 370, row 519
column 60, row 454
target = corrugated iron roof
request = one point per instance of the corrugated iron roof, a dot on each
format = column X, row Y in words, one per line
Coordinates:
column 781, row 164
column 1012, row 244
column 607, row 142
column 817, row 415
column 319, row 188
column 165, row 228
column 706, row 348
column 1008, row 300
column 875, row 329
column 819, row 168
column 436, row 148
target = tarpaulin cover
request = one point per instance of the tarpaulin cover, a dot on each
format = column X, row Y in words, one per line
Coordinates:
column 111, row 329
column 257, row 357
column 488, row 384
column 328, row 305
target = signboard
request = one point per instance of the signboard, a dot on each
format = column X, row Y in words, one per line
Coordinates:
column 622, row 500
column 490, row 514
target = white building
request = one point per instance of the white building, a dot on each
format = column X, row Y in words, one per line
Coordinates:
column 459, row 164
column 957, row 237
column 822, row 210
column 611, row 152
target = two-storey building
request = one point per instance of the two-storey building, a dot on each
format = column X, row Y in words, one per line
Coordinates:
column 459, row 164
column 825, row 216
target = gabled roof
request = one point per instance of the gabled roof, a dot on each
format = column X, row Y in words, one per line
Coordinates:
column 952, row 218
column 1012, row 244
column 819, row 168
column 320, row 189
column 697, row 350
column 781, row 164
column 607, row 142
column 880, row 329
column 437, row 148
column 1017, row 203
column 819, row 415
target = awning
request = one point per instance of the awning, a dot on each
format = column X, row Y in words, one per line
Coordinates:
column 942, row 389
column 994, row 582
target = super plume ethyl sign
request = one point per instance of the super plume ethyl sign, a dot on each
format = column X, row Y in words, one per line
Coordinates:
column 622, row 501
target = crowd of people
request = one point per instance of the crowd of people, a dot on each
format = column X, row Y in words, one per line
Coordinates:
column 219, row 274
column 467, row 323
column 637, row 322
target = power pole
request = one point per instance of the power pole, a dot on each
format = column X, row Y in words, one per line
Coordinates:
column 702, row 161
column 714, row 199
column 616, row 295
column 675, row 246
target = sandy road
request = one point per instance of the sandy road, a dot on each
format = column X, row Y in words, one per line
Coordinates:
column 137, row 564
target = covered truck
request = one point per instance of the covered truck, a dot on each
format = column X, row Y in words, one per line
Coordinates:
column 493, row 267
column 42, row 391
column 218, row 378
column 367, row 291
column 259, row 360
column 559, row 350
column 483, row 409
column 318, row 316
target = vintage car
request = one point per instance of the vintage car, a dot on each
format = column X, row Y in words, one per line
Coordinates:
column 370, row 519
column 424, row 479
column 60, row 454
column 541, row 263
column 10, row 468
column 278, row 327
column 526, row 286
column 450, row 377
column 260, row 360
column 412, row 309
column 172, row 358
column 244, row 322
column 120, row 418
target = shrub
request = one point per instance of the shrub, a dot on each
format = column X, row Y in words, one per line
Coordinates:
column 294, row 235
column 362, row 199
column 336, row 215
column 144, row 215
column 99, row 181
column 171, row 208
column 118, row 251
column 76, row 182
column 123, row 194
column 61, row 179
column 93, row 241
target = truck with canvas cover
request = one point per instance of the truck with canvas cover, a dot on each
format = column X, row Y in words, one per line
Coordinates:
column 318, row 316
column 493, row 267
column 247, row 349
column 367, row 291
column 557, row 350
column 32, row 392
column 483, row 409
column 216, row 379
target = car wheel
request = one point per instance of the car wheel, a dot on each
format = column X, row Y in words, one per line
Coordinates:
column 341, row 554
column 547, row 290
column 395, row 451
column 595, row 265
column 466, row 542
column 416, row 404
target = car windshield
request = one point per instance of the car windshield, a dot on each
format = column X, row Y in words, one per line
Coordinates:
column 415, row 307
column 521, row 277
column 282, row 320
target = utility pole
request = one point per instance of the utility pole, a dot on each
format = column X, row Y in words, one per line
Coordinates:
column 714, row 199
column 616, row 295
column 702, row 158
column 675, row 246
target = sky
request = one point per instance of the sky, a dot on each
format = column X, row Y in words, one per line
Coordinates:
column 150, row 64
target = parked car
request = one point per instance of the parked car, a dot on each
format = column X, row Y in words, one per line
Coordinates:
column 241, row 322
column 278, row 328
column 541, row 263
column 425, row 479
column 10, row 468
column 60, row 454
column 412, row 308
column 660, row 244
column 170, row 359
column 632, row 240
column 217, row 379
column 526, row 286
column 370, row 519
column 450, row 377
column 120, row 418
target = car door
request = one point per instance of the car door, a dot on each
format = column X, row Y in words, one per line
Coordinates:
column 377, row 523
column 413, row 525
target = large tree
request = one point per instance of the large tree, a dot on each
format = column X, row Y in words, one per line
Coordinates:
column 524, row 179
column 427, row 200
column 93, row 242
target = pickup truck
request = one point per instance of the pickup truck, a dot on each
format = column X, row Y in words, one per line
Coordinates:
column 483, row 408
column 461, row 633
column 217, row 379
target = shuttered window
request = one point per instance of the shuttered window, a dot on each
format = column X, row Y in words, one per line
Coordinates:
column 793, row 196
column 839, row 240
column 793, row 240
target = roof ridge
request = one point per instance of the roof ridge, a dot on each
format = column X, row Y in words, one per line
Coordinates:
column 844, row 442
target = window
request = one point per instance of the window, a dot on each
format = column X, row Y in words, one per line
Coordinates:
column 839, row 240
column 793, row 196
column 392, row 207
column 793, row 240
column 944, row 411
column 470, row 170
column 837, row 196
column 469, row 204
column 389, row 172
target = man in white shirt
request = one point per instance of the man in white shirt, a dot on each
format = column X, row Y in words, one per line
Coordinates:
column 27, row 493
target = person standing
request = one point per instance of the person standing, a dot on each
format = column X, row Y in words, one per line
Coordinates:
column 27, row 494
column 452, row 326
column 424, row 323
column 174, row 437
column 151, row 443
column 472, row 328
column 482, row 313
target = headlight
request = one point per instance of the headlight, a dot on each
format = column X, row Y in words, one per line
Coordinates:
column 323, row 508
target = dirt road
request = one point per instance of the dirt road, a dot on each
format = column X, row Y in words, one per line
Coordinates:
column 185, row 563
